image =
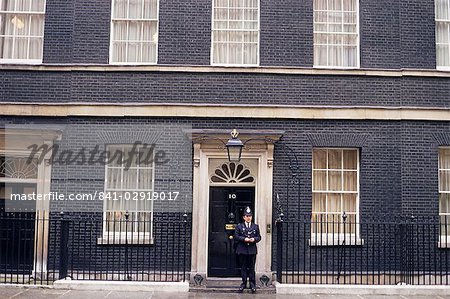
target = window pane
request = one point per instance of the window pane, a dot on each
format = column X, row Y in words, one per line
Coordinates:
column 20, row 48
column 145, row 178
column 334, row 203
column 319, row 180
column 120, row 9
column 114, row 178
column 119, row 50
column 35, row 48
column 38, row 5
column 130, row 179
column 135, row 9
column 334, row 159
column 150, row 9
column 335, row 180
column 442, row 54
column 444, row 180
column 319, row 159
column 444, row 159
column 444, row 203
column 442, row 9
column 350, row 159
column 318, row 204
column 350, row 181
column 349, row 202
column 37, row 25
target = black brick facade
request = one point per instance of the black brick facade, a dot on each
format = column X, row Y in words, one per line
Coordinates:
column 393, row 34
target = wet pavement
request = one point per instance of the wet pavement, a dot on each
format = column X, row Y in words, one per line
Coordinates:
column 46, row 293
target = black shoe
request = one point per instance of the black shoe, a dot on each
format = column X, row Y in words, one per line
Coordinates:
column 241, row 289
column 253, row 290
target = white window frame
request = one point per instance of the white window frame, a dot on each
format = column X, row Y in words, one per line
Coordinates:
column 27, row 61
column 111, row 37
column 331, row 238
column 438, row 67
column 444, row 240
column 116, row 238
column 358, row 49
column 212, row 41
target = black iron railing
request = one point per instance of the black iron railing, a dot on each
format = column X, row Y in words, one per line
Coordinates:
column 39, row 248
column 334, row 250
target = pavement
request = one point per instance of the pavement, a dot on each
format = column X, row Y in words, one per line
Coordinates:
column 48, row 293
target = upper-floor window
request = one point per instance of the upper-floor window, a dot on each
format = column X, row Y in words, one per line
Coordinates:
column 335, row 191
column 235, row 32
column 21, row 31
column 443, row 34
column 336, row 38
column 444, row 195
column 134, row 32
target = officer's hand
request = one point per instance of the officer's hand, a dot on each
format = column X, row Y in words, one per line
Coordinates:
column 247, row 240
column 252, row 239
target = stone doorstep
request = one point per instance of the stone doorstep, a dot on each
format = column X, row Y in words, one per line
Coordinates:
column 226, row 285
column 130, row 286
column 435, row 290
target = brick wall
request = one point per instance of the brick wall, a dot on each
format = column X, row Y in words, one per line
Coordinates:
column 224, row 88
column 393, row 34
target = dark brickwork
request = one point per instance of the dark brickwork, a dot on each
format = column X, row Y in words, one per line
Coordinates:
column 59, row 27
column 417, row 27
column 184, row 32
column 92, row 23
column 393, row 34
column 286, row 33
column 223, row 88
column 380, row 34
column 398, row 163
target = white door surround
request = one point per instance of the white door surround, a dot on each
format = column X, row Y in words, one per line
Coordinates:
column 15, row 142
column 258, row 155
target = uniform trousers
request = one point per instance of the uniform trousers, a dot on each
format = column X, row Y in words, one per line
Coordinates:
column 247, row 262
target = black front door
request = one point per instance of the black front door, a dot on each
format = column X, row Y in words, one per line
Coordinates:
column 226, row 206
column 17, row 229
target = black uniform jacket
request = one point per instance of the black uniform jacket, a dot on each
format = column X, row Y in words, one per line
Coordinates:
column 241, row 232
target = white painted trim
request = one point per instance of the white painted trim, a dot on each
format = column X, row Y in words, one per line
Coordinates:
column 227, row 110
column 126, row 286
column 200, row 213
column 435, row 290
column 291, row 70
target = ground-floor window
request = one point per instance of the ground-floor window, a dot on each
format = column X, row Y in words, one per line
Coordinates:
column 335, row 193
column 129, row 186
column 444, row 193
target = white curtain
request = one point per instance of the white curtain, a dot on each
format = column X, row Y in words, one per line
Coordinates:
column 21, row 35
column 335, row 33
column 124, row 184
column 135, row 24
column 443, row 33
column 235, row 32
column 335, row 188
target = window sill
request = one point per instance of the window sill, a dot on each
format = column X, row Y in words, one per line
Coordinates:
column 444, row 242
column 335, row 240
column 121, row 240
column 21, row 61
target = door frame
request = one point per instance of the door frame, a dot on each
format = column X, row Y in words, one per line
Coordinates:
column 229, row 187
column 206, row 149
column 15, row 142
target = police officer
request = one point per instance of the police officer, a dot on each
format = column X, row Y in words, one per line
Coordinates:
column 247, row 235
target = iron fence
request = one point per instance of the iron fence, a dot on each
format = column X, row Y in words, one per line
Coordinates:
column 386, row 251
column 39, row 248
